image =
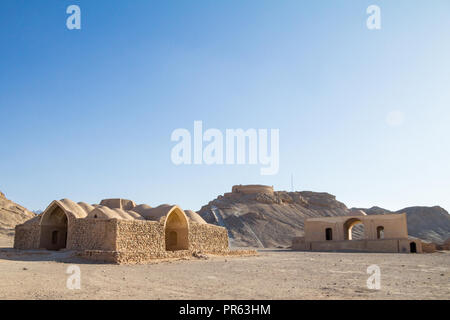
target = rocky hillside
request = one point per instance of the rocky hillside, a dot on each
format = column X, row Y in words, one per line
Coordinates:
column 272, row 219
column 11, row 214
column 269, row 220
column 428, row 223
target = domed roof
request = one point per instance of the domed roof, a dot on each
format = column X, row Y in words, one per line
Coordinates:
column 103, row 212
column 157, row 213
column 194, row 216
column 139, row 212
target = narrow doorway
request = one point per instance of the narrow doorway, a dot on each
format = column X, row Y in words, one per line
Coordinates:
column 329, row 234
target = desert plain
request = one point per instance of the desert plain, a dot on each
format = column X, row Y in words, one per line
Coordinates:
column 272, row 274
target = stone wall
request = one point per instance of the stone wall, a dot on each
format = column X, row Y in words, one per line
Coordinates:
column 299, row 243
column 356, row 245
column 140, row 236
column 92, row 234
column 446, row 245
column 27, row 236
column 207, row 238
column 123, row 257
column 141, row 241
column 380, row 245
column 252, row 188
column 429, row 247
column 128, row 241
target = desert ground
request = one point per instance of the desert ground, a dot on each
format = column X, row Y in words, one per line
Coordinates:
column 273, row 274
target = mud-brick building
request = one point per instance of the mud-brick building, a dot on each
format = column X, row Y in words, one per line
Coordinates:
column 378, row 233
column 119, row 231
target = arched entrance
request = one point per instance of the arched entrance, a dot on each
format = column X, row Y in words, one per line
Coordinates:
column 412, row 247
column 54, row 229
column 354, row 229
column 380, row 232
column 328, row 234
column 176, row 231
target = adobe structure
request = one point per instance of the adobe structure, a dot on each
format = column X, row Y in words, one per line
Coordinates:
column 382, row 233
column 252, row 188
column 119, row 231
column 240, row 189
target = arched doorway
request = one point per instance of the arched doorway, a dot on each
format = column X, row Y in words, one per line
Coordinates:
column 354, row 229
column 328, row 234
column 54, row 229
column 176, row 231
column 380, row 232
column 412, row 247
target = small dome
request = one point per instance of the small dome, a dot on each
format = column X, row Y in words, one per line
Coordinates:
column 194, row 216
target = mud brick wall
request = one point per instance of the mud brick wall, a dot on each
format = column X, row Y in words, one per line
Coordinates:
column 207, row 238
column 92, row 234
column 429, row 247
column 299, row 243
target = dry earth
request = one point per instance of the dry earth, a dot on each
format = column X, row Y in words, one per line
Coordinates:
column 274, row 274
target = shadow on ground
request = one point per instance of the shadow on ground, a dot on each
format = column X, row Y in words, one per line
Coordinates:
column 65, row 256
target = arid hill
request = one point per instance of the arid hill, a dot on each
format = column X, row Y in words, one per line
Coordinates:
column 11, row 214
column 269, row 220
column 272, row 218
column 428, row 223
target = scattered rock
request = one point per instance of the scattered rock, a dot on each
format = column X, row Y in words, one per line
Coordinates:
column 200, row 255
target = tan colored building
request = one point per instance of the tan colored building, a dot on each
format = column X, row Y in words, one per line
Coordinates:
column 377, row 233
column 252, row 188
column 118, row 231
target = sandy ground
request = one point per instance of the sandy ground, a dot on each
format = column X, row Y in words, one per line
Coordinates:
column 274, row 274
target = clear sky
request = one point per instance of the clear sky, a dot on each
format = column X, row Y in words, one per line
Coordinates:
column 88, row 114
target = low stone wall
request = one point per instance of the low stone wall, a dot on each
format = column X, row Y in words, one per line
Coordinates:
column 140, row 236
column 444, row 246
column 207, row 238
column 121, row 257
column 143, row 241
column 27, row 236
column 132, row 257
column 299, row 243
column 429, row 247
column 92, row 234
column 381, row 245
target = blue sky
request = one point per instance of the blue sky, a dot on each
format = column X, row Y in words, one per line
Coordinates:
column 88, row 114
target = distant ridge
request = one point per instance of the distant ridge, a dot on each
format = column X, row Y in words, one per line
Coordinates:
column 428, row 223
